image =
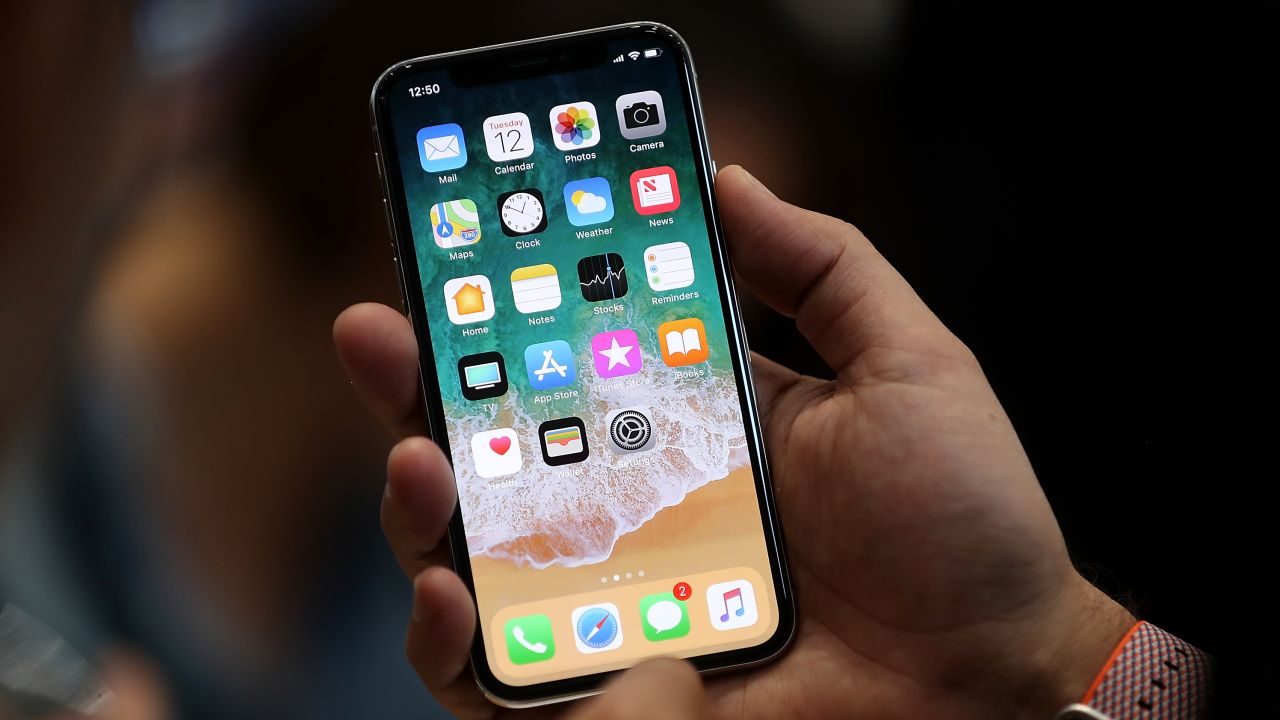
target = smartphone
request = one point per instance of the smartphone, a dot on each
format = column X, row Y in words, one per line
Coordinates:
column 583, row 360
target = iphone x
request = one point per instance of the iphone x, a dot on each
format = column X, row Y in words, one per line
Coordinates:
column 583, row 361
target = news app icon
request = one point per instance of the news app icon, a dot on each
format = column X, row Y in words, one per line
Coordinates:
column 564, row 441
column 482, row 376
column 655, row 190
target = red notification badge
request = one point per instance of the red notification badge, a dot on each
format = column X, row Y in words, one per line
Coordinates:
column 682, row 591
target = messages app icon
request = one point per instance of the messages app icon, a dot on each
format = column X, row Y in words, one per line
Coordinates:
column 441, row 147
column 664, row 617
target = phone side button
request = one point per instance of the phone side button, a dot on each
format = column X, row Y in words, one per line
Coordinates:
column 714, row 169
column 404, row 296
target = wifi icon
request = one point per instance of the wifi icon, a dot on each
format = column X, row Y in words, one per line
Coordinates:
column 634, row 54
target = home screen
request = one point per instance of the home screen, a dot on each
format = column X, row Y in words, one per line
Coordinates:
column 583, row 362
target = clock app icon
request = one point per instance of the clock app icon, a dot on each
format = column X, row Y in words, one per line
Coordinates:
column 522, row 212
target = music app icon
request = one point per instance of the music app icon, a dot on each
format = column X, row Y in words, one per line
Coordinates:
column 732, row 605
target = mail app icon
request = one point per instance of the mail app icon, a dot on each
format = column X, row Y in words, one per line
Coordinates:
column 442, row 147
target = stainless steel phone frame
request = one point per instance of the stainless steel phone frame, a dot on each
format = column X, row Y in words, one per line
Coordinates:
column 402, row 244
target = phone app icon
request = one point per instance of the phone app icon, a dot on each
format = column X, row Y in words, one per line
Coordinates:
column 641, row 115
column 455, row 223
column 596, row 628
column 668, row 266
column 522, row 212
column 529, row 639
column 616, row 353
column 732, row 605
column 663, row 617
column 468, row 299
column 630, row 430
column 483, row 376
column 550, row 365
column 683, row 342
column 563, row 441
column 508, row 137
column 602, row 277
column 496, row 452
column 588, row 202
column 536, row 288
column 442, row 147
column 575, row 126
column 655, row 190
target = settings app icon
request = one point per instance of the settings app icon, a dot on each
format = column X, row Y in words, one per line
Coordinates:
column 630, row 430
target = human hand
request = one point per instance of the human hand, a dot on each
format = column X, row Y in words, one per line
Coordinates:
column 931, row 574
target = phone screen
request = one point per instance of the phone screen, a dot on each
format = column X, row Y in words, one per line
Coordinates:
column 582, row 355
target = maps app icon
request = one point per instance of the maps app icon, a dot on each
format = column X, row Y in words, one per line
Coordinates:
column 455, row 223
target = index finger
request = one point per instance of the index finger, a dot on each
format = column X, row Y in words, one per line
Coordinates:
column 378, row 349
column 846, row 298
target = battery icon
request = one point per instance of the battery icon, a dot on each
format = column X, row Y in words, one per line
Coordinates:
column 652, row 52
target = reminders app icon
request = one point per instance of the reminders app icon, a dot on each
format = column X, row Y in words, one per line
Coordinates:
column 441, row 147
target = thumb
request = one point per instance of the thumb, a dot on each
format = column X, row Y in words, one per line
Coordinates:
column 663, row 688
column 845, row 297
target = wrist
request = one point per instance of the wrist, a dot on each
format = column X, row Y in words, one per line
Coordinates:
column 1076, row 638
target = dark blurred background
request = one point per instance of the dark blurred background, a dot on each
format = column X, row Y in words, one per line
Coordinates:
column 189, row 198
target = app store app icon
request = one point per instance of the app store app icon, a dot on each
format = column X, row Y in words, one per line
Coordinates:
column 550, row 365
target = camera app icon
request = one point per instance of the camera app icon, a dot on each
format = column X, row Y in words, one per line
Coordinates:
column 641, row 115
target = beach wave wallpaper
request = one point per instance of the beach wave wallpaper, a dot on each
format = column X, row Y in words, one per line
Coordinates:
column 581, row 351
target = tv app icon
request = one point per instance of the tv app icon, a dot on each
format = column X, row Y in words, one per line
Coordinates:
column 483, row 376
column 564, row 441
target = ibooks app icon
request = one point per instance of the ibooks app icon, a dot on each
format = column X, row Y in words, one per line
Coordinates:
column 683, row 342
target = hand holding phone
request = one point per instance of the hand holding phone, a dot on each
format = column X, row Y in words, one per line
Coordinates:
column 931, row 570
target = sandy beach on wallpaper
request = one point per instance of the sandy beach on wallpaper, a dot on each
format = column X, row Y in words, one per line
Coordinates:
column 708, row 526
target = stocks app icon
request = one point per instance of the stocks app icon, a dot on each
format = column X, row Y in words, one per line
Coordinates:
column 602, row 277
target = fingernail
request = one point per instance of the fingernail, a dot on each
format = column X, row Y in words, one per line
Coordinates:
column 386, row 490
column 757, row 182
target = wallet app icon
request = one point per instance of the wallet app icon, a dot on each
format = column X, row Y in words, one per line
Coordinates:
column 442, row 147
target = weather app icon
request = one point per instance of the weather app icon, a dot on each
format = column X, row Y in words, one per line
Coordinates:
column 588, row 202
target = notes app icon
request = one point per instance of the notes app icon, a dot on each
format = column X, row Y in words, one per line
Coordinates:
column 536, row 288
column 732, row 605
column 683, row 342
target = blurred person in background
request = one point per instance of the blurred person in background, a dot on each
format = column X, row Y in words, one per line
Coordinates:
column 195, row 482
column 191, row 199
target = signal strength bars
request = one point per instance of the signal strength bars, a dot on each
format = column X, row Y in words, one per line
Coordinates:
column 635, row 55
